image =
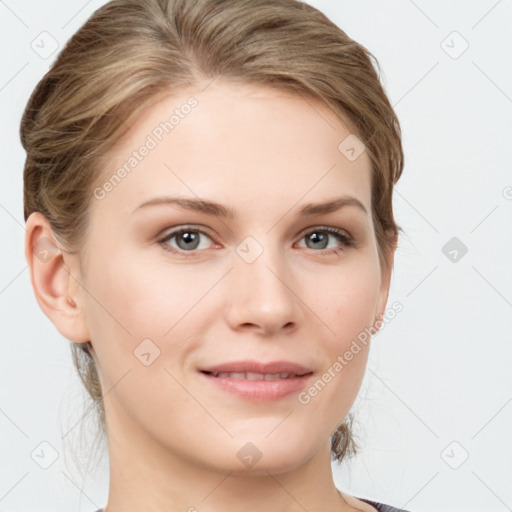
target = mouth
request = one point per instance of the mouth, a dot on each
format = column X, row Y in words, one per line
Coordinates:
column 262, row 385
column 254, row 375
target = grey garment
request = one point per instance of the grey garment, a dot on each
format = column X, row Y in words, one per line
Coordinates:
column 381, row 507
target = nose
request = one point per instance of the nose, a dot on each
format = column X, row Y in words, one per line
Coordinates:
column 262, row 294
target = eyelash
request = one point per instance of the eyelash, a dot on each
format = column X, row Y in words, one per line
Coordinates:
column 346, row 240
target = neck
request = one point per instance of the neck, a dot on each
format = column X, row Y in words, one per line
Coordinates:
column 144, row 475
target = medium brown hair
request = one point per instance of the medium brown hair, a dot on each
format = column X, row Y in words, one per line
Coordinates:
column 131, row 52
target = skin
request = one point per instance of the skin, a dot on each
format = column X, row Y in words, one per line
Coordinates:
column 174, row 438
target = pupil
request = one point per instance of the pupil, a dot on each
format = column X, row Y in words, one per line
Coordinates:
column 316, row 237
column 189, row 238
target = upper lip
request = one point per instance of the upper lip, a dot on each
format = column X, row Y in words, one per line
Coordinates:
column 259, row 367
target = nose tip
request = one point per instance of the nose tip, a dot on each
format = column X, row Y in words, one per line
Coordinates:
column 266, row 327
column 261, row 299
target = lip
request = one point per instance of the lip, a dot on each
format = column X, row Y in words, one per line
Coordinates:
column 259, row 390
column 259, row 367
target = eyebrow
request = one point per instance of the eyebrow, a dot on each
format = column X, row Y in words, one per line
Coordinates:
column 219, row 210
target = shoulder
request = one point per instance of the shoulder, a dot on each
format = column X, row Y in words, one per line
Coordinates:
column 382, row 507
column 366, row 505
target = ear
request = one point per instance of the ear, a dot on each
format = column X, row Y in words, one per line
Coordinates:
column 55, row 278
column 385, row 283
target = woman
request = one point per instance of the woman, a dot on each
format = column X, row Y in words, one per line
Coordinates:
column 250, row 131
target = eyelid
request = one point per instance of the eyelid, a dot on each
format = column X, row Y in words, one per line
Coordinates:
column 173, row 230
column 330, row 229
column 206, row 231
column 346, row 238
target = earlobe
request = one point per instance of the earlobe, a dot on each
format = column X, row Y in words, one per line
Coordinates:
column 54, row 275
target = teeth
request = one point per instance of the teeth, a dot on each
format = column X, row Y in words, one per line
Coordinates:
column 232, row 375
column 254, row 376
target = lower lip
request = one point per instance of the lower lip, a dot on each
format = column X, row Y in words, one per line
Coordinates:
column 259, row 390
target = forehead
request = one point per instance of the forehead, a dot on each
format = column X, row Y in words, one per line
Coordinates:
column 258, row 141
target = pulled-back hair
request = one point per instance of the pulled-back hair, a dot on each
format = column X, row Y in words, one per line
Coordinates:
column 130, row 53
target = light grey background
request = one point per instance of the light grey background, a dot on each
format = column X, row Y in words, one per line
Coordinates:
column 434, row 413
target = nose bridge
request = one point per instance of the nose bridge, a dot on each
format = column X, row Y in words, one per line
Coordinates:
column 263, row 267
column 261, row 293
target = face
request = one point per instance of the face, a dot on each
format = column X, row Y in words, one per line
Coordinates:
column 248, row 274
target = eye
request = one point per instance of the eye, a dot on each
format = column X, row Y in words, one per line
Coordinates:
column 318, row 238
column 188, row 239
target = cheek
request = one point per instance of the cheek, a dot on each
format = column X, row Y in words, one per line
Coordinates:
column 347, row 307
column 347, row 302
column 132, row 302
column 144, row 300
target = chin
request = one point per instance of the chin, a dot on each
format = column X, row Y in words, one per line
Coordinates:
column 262, row 456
